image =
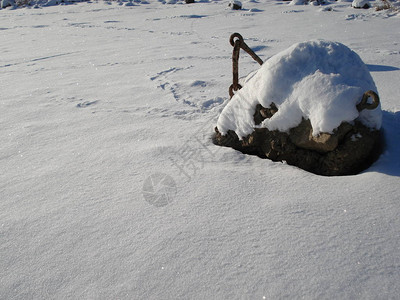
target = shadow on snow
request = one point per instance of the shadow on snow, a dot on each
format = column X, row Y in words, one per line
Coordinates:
column 389, row 161
column 380, row 68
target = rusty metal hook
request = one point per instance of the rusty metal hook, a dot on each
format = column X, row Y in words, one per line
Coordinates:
column 237, row 42
column 364, row 101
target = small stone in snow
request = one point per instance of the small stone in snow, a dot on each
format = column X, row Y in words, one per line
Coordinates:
column 235, row 4
column 361, row 4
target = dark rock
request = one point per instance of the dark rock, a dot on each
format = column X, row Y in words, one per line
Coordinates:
column 237, row 5
column 263, row 113
column 302, row 137
column 349, row 150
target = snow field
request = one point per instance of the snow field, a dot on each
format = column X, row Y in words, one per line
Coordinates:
column 97, row 97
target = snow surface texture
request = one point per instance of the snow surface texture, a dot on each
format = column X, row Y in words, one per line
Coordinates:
column 318, row 80
column 98, row 99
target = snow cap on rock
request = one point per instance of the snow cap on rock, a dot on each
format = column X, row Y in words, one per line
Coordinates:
column 361, row 4
column 318, row 80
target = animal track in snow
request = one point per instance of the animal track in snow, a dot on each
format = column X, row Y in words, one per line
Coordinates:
column 194, row 93
column 179, row 17
column 40, row 26
column 163, row 73
column 86, row 103
column 81, row 25
column 293, row 11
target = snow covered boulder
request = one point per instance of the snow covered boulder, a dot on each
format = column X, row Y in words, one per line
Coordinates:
column 313, row 105
column 6, row 3
column 361, row 4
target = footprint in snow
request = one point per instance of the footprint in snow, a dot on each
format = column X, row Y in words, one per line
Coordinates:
column 86, row 104
column 197, row 94
column 212, row 103
column 199, row 83
column 40, row 26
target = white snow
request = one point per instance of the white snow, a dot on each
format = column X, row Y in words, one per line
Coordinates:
column 318, row 80
column 355, row 137
column 98, row 98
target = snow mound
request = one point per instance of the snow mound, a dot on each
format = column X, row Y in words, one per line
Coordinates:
column 360, row 4
column 317, row 80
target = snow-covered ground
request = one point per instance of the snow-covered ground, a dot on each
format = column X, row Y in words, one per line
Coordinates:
column 110, row 187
